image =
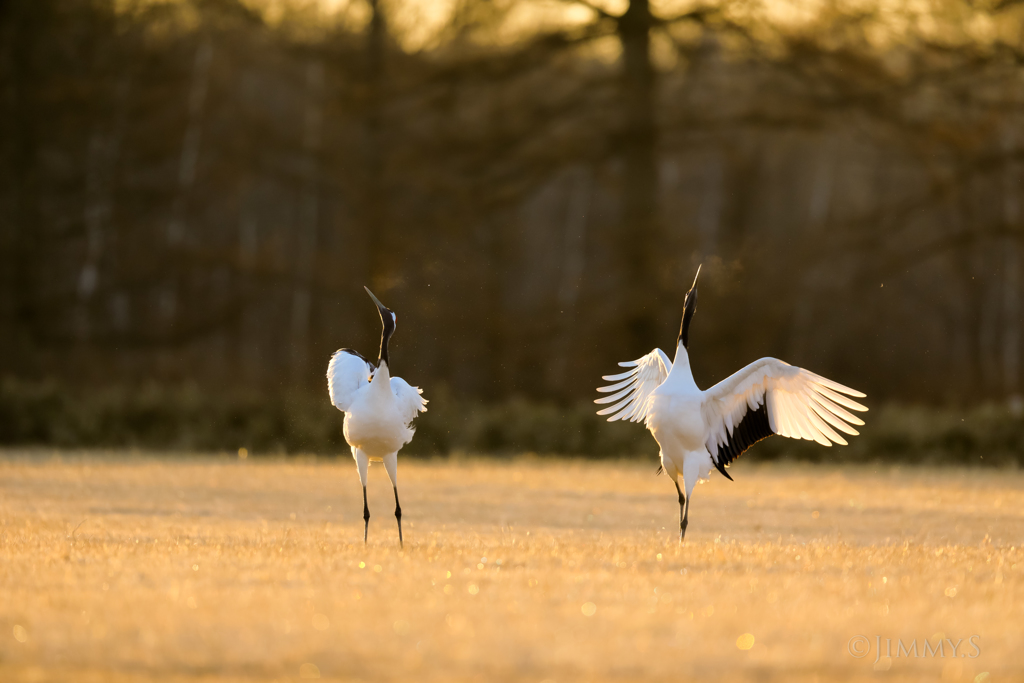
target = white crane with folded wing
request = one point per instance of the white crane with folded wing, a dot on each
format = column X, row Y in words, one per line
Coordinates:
column 698, row 430
column 379, row 409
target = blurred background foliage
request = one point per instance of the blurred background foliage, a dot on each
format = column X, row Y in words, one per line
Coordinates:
column 186, row 418
column 192, row 194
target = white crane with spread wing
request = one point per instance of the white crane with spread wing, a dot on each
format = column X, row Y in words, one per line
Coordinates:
column 698, row 430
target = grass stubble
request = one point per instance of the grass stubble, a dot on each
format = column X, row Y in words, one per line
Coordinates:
column 134, row 568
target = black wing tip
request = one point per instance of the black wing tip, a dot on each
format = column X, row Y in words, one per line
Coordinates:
column 721, row 468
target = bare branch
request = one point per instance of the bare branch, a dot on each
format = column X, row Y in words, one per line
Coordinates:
column 700, row 15
column 600, row 11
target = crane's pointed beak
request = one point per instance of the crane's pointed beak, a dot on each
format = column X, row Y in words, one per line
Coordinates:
column 387, row 321
column 689, row 306
column 380, row 306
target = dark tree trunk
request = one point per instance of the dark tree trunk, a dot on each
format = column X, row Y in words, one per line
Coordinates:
column 21, row 24
column 640, row 235
column 375, row 153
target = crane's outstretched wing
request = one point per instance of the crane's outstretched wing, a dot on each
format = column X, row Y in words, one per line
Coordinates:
column 772, row 397
column 346, row 373
column 636, row 387
column 409, row 399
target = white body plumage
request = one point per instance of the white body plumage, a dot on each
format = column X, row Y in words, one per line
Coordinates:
column 378, row 412
column 674, row 419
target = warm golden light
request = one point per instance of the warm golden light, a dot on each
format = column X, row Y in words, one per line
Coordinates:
column 290, row 598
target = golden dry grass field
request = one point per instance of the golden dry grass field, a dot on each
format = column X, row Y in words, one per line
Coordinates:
column 133, row 568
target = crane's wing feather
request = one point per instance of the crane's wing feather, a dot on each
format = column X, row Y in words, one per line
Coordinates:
column 633, row 388
column 346, row 373
column 409, row 399
column 772, row 397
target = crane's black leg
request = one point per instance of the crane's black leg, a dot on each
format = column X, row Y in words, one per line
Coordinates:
column 398, row 516
column 686, row 516
column 366, row 517
column 362, row 464
column 391, row 465
column 684, row 509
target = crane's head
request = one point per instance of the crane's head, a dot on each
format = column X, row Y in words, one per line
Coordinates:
column 388, row 320
column 689, row 306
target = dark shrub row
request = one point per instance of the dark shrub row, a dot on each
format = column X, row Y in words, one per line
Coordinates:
column 186, row 418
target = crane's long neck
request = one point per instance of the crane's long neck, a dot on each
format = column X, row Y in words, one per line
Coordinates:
column 385, row 336
column 681, row 375
column 382, row 376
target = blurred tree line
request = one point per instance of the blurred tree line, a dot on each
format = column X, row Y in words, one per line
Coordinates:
column 192, row 194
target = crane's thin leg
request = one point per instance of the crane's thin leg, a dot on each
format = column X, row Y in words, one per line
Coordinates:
column 366, row 517
column 362, row 463
column 391, row 465
column 686, row 516
column 398, row 516
column 684, row 509
column 691, row 475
